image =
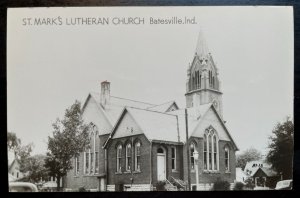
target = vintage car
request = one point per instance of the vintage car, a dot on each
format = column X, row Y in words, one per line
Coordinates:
column 22, row 187
column 284, row 185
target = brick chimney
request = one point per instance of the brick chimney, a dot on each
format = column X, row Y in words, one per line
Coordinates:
column 105, row 93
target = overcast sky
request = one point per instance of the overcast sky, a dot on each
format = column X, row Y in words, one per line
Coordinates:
column 51, row 66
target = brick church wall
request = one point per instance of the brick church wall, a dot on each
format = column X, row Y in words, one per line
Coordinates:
column 72, row 181
column 142, row 177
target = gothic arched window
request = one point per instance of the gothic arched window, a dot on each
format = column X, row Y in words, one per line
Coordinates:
column 227, row 169
column 200, row 81
column 91, row 154
column 137, row 156
column 211, row 150
column 205, row 152
column 192, row 149
column 119, row 158
column 128, row 157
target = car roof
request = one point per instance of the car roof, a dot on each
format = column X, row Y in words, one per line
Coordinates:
column 23, row 184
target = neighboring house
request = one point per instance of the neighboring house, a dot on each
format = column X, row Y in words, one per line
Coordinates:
column 134, row 145
column 252, row 167
column 265, row 177
column 240, row 175
column 14, row 168
column 261, row 173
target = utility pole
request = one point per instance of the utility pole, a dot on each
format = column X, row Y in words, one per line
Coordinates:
column 187, row 149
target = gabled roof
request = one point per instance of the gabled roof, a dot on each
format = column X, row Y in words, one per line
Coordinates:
column 156, row 126
column 113, row 111
column 163, row 107
column 253, row 165
column 13, row 162
column 170, row 126
column 195, row 116
column 193, row 119
column 267, row 171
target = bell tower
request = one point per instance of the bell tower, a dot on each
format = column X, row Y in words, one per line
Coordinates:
column 203, row 85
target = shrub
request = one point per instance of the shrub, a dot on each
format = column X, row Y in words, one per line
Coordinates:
column 238, row 186
column 160, row 186
column 82, row 189
column 221, row 185
column 249, row 184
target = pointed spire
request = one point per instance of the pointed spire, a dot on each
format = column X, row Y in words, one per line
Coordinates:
column 201, row 48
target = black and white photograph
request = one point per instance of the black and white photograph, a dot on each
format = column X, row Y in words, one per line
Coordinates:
column 110, row 99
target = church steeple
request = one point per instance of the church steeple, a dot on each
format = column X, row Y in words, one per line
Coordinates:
column 201, row 47
column 203, row 85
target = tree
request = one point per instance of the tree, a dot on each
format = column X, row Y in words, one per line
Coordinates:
column 70, row 137
column 23, row 154
column 13, row 142
column 281, row 148
column 248, row 155
column 34, row 166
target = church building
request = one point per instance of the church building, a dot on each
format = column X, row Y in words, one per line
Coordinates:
column 136, row 145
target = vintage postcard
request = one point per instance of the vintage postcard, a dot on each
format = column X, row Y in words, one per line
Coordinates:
column 150, row 98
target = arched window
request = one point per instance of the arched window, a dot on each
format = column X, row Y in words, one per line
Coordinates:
column 137, row 157
column 91, row 155
column 200, row 82
column 192, row 149
column 119, row 157
column 211, row 150
column 128, row 157
column 227, row 169
column 160, row 150
column 205, row 152
column 209, row 80
column 173, row 158
column 215, row 153
column 92, row 151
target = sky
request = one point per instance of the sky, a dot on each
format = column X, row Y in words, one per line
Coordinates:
column 50, row 66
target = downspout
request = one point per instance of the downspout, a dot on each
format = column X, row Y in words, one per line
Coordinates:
column 150, row 163
column 178, row 128
column 105, row 167
column 187, row 150
column 132, row 165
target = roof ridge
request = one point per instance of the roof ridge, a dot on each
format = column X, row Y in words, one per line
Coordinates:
column 161, row 104
column 125, row 98
column 151, row 111
column 132, row 100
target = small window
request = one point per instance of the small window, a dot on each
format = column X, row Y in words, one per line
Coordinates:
column 205, row 152
column 173, row 155
column 128, row 157
column 192, row 149
column 119, row 157
column 96, row 162
column 92, row 163
column 215, row 153
column 87, row 162
column 210, row 152
column 76, row 165
column 137, row 156
column 160, row 150
column 227, row 159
